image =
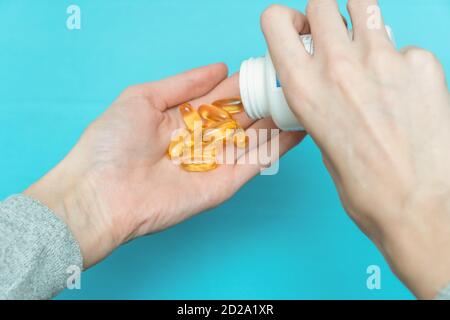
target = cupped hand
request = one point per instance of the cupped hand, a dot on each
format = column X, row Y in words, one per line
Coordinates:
column 118, row 183
column 382, row 121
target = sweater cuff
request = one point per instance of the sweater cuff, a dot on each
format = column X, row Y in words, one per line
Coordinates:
column 38, row 253
column 444, row 294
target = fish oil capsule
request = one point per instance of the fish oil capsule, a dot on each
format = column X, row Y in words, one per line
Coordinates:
column 206, row 162
column 190, row 116
column 230, row 105
column 226, row 124
column 207, row 128
column 209, row 151
column 177, row 143
column 212, row 114
column 219, row 136
column 175, row 149
column 220, row 131
column 194, row 138
column 240, row 139
column 192, row 153
column 199, row 167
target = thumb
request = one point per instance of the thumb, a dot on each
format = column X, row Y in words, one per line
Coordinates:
column 185, row 86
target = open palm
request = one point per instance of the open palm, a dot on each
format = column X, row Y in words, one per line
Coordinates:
column 132, row 187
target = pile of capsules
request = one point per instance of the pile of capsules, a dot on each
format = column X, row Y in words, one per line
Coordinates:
column 207, row 129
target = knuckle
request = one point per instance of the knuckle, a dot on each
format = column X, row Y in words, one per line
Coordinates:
column 423, row 59
column 353, row 5
column 272, row 12
column 340, row 67
column 311, row 7
column 131, row 91
column 315, row 6
column 379, row 59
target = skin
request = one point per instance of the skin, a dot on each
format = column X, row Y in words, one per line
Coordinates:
column 383, row 128
column 117, row 183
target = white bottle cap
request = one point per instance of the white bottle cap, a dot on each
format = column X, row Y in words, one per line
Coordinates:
column 252, row 87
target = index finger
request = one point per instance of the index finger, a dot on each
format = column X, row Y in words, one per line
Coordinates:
column 327, row 26
column 281, row 27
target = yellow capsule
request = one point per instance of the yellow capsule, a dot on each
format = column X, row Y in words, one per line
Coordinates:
column 177, row 143
column 235, row 101
column 240, row 139
column 190, row 116
column 206, row 162
column 199, row 167
column 189, row 141
column 226, row 124
column 194, row 139
column 210, row 125
column 209, row 154
column 230, row 105
column 192, row 153
column 223, row 130
column 176, row 148
column 233, row 109
column 212, row 114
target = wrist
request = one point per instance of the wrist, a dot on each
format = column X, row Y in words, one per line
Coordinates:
column 71, row 198
column 417, row 245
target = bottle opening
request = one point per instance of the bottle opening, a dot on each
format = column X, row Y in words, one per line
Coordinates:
column 252, row 86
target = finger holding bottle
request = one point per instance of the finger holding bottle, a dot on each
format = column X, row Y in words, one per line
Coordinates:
column 382, row 121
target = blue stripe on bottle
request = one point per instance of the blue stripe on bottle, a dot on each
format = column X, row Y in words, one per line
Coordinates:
column 278, row 83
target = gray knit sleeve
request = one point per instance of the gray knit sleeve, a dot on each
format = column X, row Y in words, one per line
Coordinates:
column 37, row 250
column 444, row 294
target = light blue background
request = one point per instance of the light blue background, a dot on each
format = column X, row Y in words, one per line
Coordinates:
column 282, row 236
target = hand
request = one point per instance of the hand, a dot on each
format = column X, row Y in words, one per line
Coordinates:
column 382, row 121
column 117, row 183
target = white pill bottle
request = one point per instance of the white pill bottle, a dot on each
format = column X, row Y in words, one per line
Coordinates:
column 261, row 91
